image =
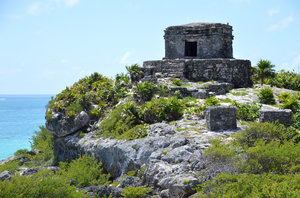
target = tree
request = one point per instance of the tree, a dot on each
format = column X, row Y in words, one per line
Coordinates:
column 136, row 74
column 264, row 69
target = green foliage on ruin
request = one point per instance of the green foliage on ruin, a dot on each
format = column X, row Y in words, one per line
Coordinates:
column 135, row 192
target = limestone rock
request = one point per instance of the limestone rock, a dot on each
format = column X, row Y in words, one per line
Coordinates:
column 130, row 181
column 282, row 116
column 161, row 129
column 63, row 126
column 5, row 175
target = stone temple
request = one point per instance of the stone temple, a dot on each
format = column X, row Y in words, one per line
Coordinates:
column 200, row 52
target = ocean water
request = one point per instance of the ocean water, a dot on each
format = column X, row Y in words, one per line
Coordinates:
column 20, row 116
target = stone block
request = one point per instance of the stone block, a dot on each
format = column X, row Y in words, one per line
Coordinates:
column 221, row 118
column 282, row 116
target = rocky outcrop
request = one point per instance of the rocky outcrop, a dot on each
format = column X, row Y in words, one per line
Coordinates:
column 168, row 156
column 5, row 175
column 63, row 125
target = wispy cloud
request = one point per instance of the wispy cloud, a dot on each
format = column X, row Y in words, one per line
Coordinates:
column 34, row 9
column 71, row 3
column 273, row 11
column 125, row 57
column 39, row 7
column 284, row 23
column 64, row 60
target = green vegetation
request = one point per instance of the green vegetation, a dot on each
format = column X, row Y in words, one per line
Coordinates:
column 263, row 69
column 266, row 96
column 267, row 157
column 135, row 192
column 176, row 82
column 83, row 171
column 42, row 184
column 95, row 90
column 238, row 93
column 285, row 79
column 146, row 90
column 247, row 112
column 211, row 101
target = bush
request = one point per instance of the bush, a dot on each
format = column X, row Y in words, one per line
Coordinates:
column 283, row 97
column 42, row 184
column 162, row 109
column 135, row 192
column 251, row 185
column 84, row 171
column 42, row 141
column 219, row 151
column 146, row 90
column 266, row 96
column 275, row 156
column 247, row 112
column 83, row 95
column 292, row 104
column 267, row 131
column 285, row 79
column 211, row 101
column 176, row 82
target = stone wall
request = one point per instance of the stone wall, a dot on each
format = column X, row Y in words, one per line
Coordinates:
column 235, row 71
column 214, row 40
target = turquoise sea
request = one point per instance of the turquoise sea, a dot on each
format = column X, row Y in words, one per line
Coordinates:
column 20, row 116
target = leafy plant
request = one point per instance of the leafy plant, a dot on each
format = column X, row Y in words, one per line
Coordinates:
column 292, row 104
column 135, row 192
column 266, row 96
column 42, row 184
column 285, row 79
column 176, row 82
column 162, row 109
column 218, row 150
column 264, row 69
column 247, row 112
column 146, row 90
column 84, row 171
column 211, row 101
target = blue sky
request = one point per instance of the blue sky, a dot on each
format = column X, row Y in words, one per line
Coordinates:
column 47, row 45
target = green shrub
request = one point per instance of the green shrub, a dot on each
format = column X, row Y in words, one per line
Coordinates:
column 219, row 150
column 135, row 192
column 138, row 131
column 177, row 94
column 266, row 96
column 136, row 73
column 247, row 112
column 285, row 79
column 283, row 97
column 162, row 109
column 42, row 184
column 292, row 104
column 275, row 156
column 10, row 166
column 146, row 90
column 211, row 101
column 83, row 94
column 84, row 171
column 176, row 82
column 251, row 185
column 296, row 121
column 122, row 78
column 20, row 152
column 267, row 131
column 42, row 140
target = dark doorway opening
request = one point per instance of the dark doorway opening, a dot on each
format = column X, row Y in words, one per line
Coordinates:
column 190, row 48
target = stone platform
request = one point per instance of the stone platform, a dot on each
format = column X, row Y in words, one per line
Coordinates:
column 235, row 71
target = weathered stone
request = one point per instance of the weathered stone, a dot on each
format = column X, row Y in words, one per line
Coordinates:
column 219, row 88
column 161, row 129
column 63, row 126
column 234, row 71
column 282, row 116
column 29, row 171
column 5, row 175
column 130, row 181
column 220, row 118
column 199, row 40
column 104, row 190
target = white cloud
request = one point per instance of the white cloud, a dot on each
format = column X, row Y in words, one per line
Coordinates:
column 284, row 23
column 273, row 11
column 125, row 57
column 64, row 60
column 71, row 3
column 34, row 9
